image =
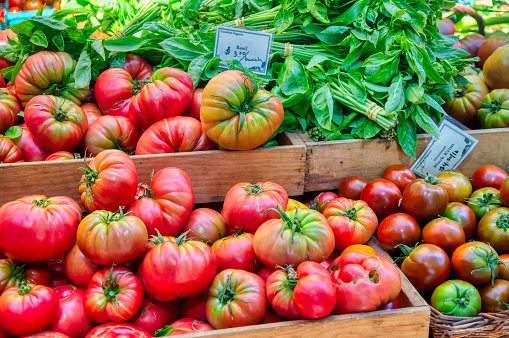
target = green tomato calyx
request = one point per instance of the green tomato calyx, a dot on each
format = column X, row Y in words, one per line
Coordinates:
column 461, row 300
column 167, row 330
column 503, row 221
column 228, row 294
column 41, row 203
column 485, row 200
column 24, row 288
column 157, row 239
column 115, row 216
column 183, row 238
column 110, row 285
column 147, row 189
column 253, row 189
column 432, row 179
column 493, row 107
column 291, row 278
column 89, row 177
column 292, row 223
column 405, row 252
column 492, row 261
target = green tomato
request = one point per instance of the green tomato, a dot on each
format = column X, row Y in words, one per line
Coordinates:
column 456, row 298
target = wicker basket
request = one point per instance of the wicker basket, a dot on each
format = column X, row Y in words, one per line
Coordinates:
column 492, row 325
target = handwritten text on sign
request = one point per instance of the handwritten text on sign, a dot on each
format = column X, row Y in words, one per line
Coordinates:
column 250, row 48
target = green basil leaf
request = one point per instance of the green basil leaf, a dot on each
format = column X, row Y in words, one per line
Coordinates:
column 425, row 122
column 319, row 11
column 283, row 20
column 190, row 5
column 13, row 132
column 49, row 22
column 38, row 38
column 292, row 79
column 17, row 67
column 415, row 94
column 407, row 135
column 118, row 61
column 434, row 104
column 196, row 68
column 380, row 59
column 396, row 99
column 58, row 41
column 76, row 35
column 23, row 28
column 370, row 128
column 316, row 60
column 98, row 47
column 353, row 12
column 7, row 72
column 124, row 44
column 83, row 71
column 323, row 106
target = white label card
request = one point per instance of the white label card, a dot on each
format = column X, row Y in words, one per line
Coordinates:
column 250, row 48
column 445, row 153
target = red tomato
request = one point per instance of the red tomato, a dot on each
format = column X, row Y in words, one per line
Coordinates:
column 9, row 153
column 493, row 228
column 424, row 199
column 494, row 296
column 168, row 94
column 504, row 192
column 398, row 229
column 320, row 202
column 488, row 176
column 446, row 26
column 352, row 222
column 265, row 272
column 484, row 200
column 352, row 187
column 15, row 3
column 383, row 196
column 36, row 228
column 115, row 88
column 456, row 184
column 465, row 217
column 475, row 262
column 78, row 268
column 207, row 225
column 15, row 10
column 172, row 135
column 288, row 291
column 177, row 268
column 60, row 156
column 118, row 330
column 108, row 238
column 50, row 334
column 246, row 206
column 400, row 175
column 114, row 294
column 236, row 298
column 184, row 326
column 166, row 202
column 236, row 252
column 71, row 319
column 92, row 111
column 270, row 318
column 364, row 282
column 31, row 5
column 194, row 108
column 195, row 307
column 13, row 273
column 444, row 233
column 9, row 110
column 31, row 149
column 27, row 309
column 56, row 268
column 504, row 268
column 489, row 46
column 154, row 314
column 110, row 181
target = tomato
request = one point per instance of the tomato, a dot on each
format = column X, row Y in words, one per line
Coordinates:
column 398, row 229
column 110, row 181
column 114, row 294
column 489, row 46
column 15, row 9
column 270, row 318
column 115, row 88
column 236, row 298
column 15, row 3
column 108, row 238
column 425, row 199
column 27, row 309
column 467, row 101
column 56, row 268
column 383, row 196
column 400, row 175
column 9, row 110
column 173, row 135
column 177, row 268
column 31, row 149
column 57, row 124
column 9, row 153
column 92, row 111
column 247, row 206
column 352, row 222
column 71, row 319
column 57, row 5
column 484, row 200
column 168, row 94
column 265, row 272
column 495, row 297
column 359, row 248
column 166, row 202
column 111, row 132
column 31, row 5
column 36, row 228
column 78, row 268
column 364, row 282
column 444, row 233
column 426, row 266
column 456, row 184
column 294, row 204
column 13, row 273
column 471, row 44
column 504, row 268
column 236, row 115
column 464, row 216
column 297, row 236
column 236, row 252
column 470, row 70
column 457, row 298
column 446, row 26
column 50, row 334
column 320, row 202
column 390, row 306
column 351, row 187
column 476, row 263
column 61, row 155
column 488, row 176
column 493, row 228
column 206, row 225
column 494, row 112
column 114, row 330
column 195, row 307
column 184, row 326
column 504, row 192
column 194, row 108
column 288, row 291
column 49, row 73
column 496, row 67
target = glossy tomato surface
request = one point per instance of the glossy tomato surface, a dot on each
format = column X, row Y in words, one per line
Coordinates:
column 383, row 196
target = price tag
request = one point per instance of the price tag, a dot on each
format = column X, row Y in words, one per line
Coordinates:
column 445, row 153
column 250, row 48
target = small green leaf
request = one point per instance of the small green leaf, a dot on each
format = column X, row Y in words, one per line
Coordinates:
column 292, row 79
column 124, row 44
column 83, row 71
column 283, row 20
column 434, row 104
column 319, row 11
column 323, row 106
column 99, row 48
column 415, row 94
column 407, row 135
column 118, row 61
column 196, row 68
column 425, row 122
column 39, row 39
column 58, row 41
column 396, row 98
column 13, row 132
column 371, row 129
column 315, row 60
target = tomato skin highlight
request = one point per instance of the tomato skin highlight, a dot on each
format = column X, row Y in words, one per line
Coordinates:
column 383, row 196
column 400, row 175
column 488, row 176
column 351, row 187
column 424, row 199
column 397, row 229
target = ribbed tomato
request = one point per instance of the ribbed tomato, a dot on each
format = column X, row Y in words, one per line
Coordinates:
column 60, row 156
column 9, row 110
column 78, row 268
column 494, row 112
column 236, row 252
column 92, row 111
column 13, row 273
column 207, row 225
column 31, row 149
column 493, row 228
column 117, row 330
column 9, row 153
column 154, row 314
column 194, row 108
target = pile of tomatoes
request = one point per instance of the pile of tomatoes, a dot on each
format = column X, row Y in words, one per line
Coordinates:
column 16, row 6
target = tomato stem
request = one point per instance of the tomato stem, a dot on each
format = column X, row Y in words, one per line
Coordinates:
column 157, row 239
column 253, row 189
column 291, row 278
column 40, row 203
column 183, row 238
column 491, row 258
column 503, row 221
column 227, row 294
column 147, row 191
column 24, row 288
column 115, row 216
column 89, row 178
column 485, row 201
column 462, row 299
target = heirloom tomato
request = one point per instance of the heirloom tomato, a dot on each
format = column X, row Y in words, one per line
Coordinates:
column 464, row 216
column 115, row 88
column 31, row 149
column 79, row 269
column 173, row 135
column 488, row 176
column 444, row 233
column 92, row 111
column 364, row 282
column 110, row 181
column 195, row 307
column 352, row 222
column 47, row 334
column 484, row 200
column 236, row 298
column 118, row 330
column 31, row 5
column 265, row 273
column 366, row 249
column 108, row 238
column 15, row 9
column 9, row 110
column 476, row 263
column 166, row 202
column 194, row 108
column 247, row 206
column 398, row 229
column 504, row 192
column 495, row 297
column 236, row 252
column 206, row 224
column 13, row 273
column 351, row 187
column 167, row 94
column 446, row 26
column 288, row 291
column 383, row 196
column 9, row 153
column 296, row 236
column 271, row 318
column 320, row 202
column 504, row 268
column 183, row 326
column 456, row 298
column 56, row 268
column 496, row 67
column 456, row 184
column 27, row 309
column 400, row 175
column 36, row 228
column 494, row 112
column 493, row 228
column 60, row 156
column 471, row 44
column 178, row 268
column 294, row 204
column 489, row 46
column 154, row 314
column 49, row 73
column 425, row 199
column 236, row 115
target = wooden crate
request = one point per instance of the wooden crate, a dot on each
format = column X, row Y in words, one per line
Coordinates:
column 412, row 320
column 212, row 173
column 328, row 163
